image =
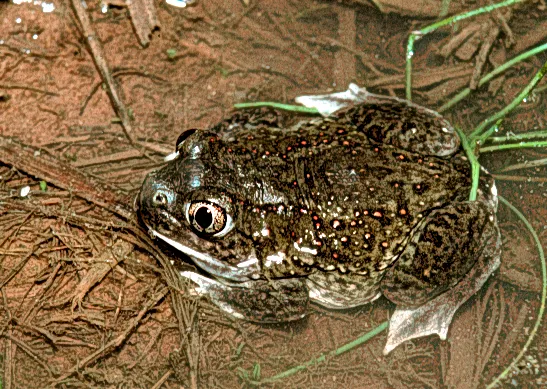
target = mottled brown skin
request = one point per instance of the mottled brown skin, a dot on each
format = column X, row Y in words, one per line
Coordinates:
column 331, row 203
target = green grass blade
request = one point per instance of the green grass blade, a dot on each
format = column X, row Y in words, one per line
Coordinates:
column 322, row 358
column 500, row 69
column 509, row 146
column 426, row 30
column 515, row 103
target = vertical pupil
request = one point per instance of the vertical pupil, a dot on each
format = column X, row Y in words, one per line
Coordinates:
column 203, row 217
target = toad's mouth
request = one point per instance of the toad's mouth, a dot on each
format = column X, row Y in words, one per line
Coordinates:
column 244, row 271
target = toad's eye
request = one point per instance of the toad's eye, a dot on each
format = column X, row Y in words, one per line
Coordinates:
column 182, row 137
column 208, row 218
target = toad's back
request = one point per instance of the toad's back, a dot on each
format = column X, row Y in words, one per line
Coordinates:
column 331, row 197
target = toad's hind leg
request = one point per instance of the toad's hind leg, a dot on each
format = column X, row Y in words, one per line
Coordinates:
column 403, row 124
column 389, row 120
column 447, row 260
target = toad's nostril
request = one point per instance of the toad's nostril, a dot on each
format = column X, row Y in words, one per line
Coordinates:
column 160, row 198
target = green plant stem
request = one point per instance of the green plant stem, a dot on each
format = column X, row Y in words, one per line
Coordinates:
column 426, row 30
column 347, row 347
column 475, row 166
column 286, row 107
column 467, row 15
column 500, row 69
column 520, row 145
column 525, row 136
column 534, row 330
column 493, row 129
column 516, row 102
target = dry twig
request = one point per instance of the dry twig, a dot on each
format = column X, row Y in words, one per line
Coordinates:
column 97, row 54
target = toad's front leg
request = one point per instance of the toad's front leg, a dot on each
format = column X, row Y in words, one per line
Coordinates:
column 263, row 301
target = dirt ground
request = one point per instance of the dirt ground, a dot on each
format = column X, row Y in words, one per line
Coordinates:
column 88, row 300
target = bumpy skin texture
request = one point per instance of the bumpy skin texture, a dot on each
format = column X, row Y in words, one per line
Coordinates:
column 332, row 204
column 454, row 233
